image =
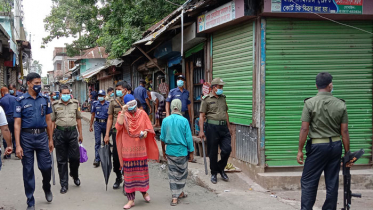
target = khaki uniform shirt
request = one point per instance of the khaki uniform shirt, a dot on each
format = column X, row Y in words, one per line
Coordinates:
column 109, row 98
column 214, row 107
column 115, row 108
column 325, row 113
column 66, row 115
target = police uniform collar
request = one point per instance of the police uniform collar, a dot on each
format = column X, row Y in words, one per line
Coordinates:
column 27, row 95
column 62, row 102
column 212, row 95
column 325, row 93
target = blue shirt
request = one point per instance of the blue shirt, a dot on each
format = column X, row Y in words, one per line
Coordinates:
column 7, row 102
column 18, row 94
column 176, row 134
column 141, row 94
column 183, row 96
column 32, row 111
column 100, row 110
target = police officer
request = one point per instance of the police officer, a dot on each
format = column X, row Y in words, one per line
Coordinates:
column 110, row 94
column 327, row 118
column 183, row 95
column 121, row 89
column 141, row 94
column 7, row 102
column 214, row 108
column 33, row 133
column 99, row 111
column 66, row 117
column 13, row 91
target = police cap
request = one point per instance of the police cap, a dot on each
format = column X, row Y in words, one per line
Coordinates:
column 181, row 77
column 217, row 81
column 101, row 92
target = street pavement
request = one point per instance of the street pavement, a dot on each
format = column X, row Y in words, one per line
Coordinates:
column 239, row 193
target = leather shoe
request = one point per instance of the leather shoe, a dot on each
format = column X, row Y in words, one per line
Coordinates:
column 117, row 183
column 48, row 196
column 30, row 208
column 214, row 179
column 224, row 176
column 63, row 190
column 96, row 164
column 77, row 182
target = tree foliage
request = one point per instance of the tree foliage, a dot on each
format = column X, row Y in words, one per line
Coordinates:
column 113, row 24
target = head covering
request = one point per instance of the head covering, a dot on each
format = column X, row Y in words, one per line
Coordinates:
column 101, row 92
column 217, row 81
column 128, row 98
column 176, row 106
column 181, row 77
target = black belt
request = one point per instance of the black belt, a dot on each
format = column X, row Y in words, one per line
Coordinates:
column 101, row 120
column 34, row 131
column 70, row 128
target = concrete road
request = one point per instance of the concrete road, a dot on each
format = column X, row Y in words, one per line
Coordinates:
column 91, row 195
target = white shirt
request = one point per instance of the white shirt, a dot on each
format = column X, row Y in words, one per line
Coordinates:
column 156, row 95
column 3, row 120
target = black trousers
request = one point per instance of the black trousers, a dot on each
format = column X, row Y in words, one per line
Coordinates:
column 218, row 135
column 116, row 163
column 325, row 158
column 67, row 149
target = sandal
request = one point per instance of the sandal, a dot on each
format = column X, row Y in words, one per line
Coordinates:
column 146, row 197
column 174, row 204
column 183, row 195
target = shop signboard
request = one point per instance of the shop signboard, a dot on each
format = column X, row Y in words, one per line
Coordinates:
column 318, row 6
column 218, row 16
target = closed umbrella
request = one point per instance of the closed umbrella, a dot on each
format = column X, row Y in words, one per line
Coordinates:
column 106, row 162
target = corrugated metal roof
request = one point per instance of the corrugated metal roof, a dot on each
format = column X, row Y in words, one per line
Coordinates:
column 93, row 71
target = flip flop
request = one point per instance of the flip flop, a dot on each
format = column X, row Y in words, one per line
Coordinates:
column 174, row 204
column 184, row 196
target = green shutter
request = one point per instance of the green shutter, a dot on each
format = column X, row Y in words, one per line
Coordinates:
column 296, row 51
column 233, row 63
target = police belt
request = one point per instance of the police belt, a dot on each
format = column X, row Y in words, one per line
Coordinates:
column 325, row 140
column 101, row 120
column 67, row 128
column 34, row 130
column 217, row 122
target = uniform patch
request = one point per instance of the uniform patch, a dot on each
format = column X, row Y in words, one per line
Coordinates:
column 98, row 107
column 59, row 108
column 27, row 106
column 49, row 104
column 18, row 108
column 98, row 113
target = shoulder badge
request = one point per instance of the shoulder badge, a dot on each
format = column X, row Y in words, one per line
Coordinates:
column 204, row 97
column 342, row 100
column 306, row 99
column 20, row 98
column 224, row 96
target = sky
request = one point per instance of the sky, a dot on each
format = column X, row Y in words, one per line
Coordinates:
column 33, row 22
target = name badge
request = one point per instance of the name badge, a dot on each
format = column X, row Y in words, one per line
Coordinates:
column 27, row 106
column 98, row 107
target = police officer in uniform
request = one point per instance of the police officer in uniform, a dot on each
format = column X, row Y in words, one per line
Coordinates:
column 66, row 117
column 99, row 111
column 183, row 95
column 324, row 120
column 110, row 94
column 214, row 108
column 33, row 132
column 7, row 102
column 115, row 106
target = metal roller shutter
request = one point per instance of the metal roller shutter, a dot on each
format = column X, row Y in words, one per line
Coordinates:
column 233, row 63
column 296, row 51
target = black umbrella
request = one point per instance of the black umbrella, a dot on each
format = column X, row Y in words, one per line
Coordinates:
column 106, row 162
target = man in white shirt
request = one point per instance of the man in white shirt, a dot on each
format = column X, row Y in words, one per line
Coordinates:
column 159, row 101
column 6, row 134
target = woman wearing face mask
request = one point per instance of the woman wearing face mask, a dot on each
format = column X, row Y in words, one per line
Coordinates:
column 135, row 144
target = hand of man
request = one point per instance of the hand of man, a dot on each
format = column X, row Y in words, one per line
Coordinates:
column 90, row 129
column 145, row 134
column 191, row 156
column 201, row 135
column 19, row 152
column 164, row 156
column 8, row 150
column 106, row 139
column 80, row 138
column 150, row 110
column 300, row 157
column 51, row 146
column 124, row 109
column 350, row 164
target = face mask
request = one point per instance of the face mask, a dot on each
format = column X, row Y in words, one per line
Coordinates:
column 112, row 95
column 11, row 92
column 180, row 83
column 54, row 97
column 219, row 92
column 131, row 108
column 37, row 88
column 100, row 98
column 65, row 97
column 332, row 90
column 119, row 93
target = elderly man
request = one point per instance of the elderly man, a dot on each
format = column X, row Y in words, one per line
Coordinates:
column 176, row 134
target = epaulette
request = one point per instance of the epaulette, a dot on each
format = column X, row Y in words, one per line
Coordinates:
column 224, row 96
column 55, row 102
column 75, row 101
column 20, row 98
column 204, row 97
column 342, row 100
column 306, row 99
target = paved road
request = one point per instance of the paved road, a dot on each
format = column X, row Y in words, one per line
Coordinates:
column 92, row 195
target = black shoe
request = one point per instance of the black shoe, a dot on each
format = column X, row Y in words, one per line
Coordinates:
column 117, row 183
column 224, row 176
column 48, row 196
column 96, row 164
column 214, row 179
column 63, row 190
column 76, row 180
column 30, row 208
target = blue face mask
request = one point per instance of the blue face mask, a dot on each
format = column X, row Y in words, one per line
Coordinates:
column 180, row 83
column 219, row 92
column 65, row 97
column 332, row 90
column 11, row 92
column 37, row 88
column 131, row 108
column 55, row 97
column 112, row 95
column 119, row 93
column 101, row 98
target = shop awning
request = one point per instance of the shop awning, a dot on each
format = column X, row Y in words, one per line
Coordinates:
column 129, row 51
column 76, row 67
column 174, row 61
column 114, row 62
column 93, row 71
